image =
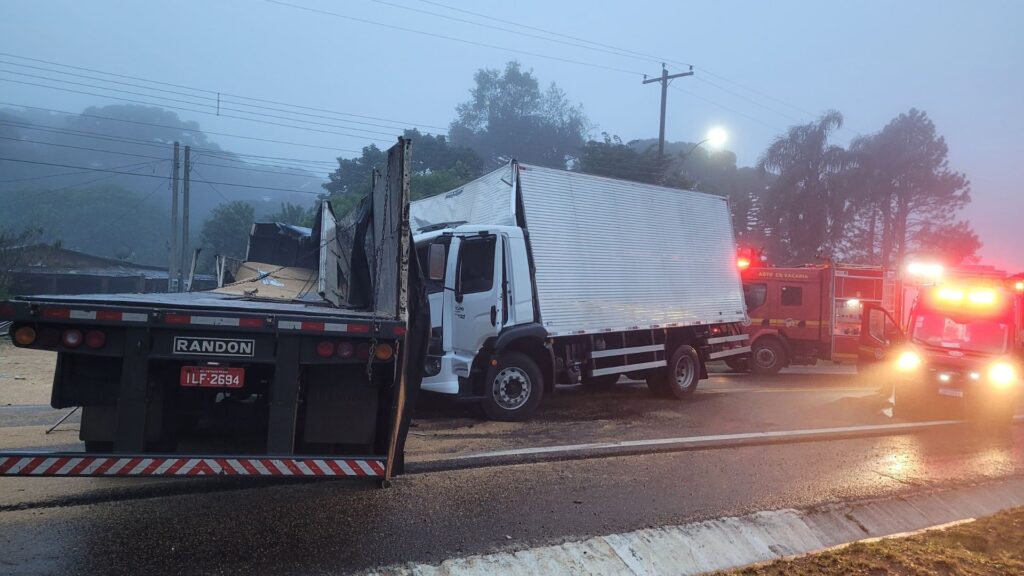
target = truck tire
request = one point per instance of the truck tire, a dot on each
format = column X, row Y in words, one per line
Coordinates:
column 680, row 377
column 513, row 388
column 767, row 356
column 738, row 363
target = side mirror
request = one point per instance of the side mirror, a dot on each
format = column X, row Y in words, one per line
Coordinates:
column 436, row 261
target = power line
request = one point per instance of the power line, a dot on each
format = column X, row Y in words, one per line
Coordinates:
column 451, row 38
column 148, row 103
column 639, row 55
column 180, row 128
column 86, row 171
column 81, row 148
column 246, row 169
column 208, row 183
column 301, row 164
column 154, row 176
column 220, row 93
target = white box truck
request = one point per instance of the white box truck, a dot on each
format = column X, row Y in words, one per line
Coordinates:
column 540, row 276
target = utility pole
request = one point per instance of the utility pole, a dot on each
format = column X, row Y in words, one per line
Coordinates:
column 172, row 268
column 664, row 78
column 184, row 218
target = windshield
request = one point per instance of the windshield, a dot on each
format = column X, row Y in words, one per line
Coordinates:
column 983, row 335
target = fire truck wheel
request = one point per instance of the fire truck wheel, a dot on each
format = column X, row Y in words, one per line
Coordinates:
column 738, row 363
column 513, row 388
column 680, row 378
column 767, row 356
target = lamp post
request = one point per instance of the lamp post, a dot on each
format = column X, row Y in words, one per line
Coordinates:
column 716, row 138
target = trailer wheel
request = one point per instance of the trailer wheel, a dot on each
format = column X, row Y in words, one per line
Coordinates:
column 767, row 356
column 680, row 378
column 513, row 388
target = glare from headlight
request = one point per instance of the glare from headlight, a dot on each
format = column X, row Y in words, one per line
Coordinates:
column 908, row 361
column 1002, row 375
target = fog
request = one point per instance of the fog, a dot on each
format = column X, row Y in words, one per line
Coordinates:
column 759, row 68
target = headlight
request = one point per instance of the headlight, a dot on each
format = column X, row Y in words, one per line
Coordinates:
column 1002, row 375
column 432, row 367
column 908, row 361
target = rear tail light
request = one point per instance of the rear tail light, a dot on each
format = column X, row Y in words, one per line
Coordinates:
column 383, row 351
column 325, row 349
column 25, row 336
column 95, row 339
column 72, row 338
column 346, row 349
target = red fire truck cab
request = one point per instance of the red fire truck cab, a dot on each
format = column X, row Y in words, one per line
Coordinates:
column 804, row 314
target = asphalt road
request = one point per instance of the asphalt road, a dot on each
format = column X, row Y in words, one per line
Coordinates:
column 223, row 526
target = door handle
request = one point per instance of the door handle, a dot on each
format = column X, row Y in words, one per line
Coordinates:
column 494, row 315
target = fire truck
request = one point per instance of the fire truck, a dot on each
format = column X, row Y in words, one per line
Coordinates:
column 808, row 313
column 962, row 343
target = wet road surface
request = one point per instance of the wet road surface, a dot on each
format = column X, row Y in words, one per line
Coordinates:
column 225, row 526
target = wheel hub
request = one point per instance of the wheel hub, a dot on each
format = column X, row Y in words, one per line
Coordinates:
column 765, row 356
column 511, row 388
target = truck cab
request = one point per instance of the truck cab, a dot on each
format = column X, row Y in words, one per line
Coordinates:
column 961, row 344
column 479, row 289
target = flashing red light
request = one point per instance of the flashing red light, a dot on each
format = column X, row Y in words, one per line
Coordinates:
column 1019, row 286
column 325, row 349
column 72, row 338
column 95, row 339
column 743, row 263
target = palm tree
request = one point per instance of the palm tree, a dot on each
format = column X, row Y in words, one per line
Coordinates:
column 805, row 206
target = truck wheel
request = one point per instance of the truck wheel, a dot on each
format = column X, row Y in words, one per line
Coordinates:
column 680, row 378
column 513, row 389
column 738, row 363
column 767, row 356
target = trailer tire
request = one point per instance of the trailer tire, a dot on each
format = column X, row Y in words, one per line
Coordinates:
column 680, row 377
column 513, row 388
column 767, row 356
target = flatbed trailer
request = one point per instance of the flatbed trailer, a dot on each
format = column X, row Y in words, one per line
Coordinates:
column 230, row 383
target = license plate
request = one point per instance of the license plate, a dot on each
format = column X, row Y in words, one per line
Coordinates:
column 953, row 392
column 212, row 377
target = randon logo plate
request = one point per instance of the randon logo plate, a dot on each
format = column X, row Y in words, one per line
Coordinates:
column 198, row 346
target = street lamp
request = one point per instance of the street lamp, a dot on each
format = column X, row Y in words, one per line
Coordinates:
column 716, row 138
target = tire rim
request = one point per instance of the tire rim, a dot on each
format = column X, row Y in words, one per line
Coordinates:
column 511, row 388
column 765, row 357
column 685, row 372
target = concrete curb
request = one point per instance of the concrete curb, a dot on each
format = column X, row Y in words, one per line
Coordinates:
column 732, row 542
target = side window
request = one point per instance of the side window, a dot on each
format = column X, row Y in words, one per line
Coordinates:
column 476, row 265
column 755, row 295
column 792, row 296
column 422, row 252
column 881, row 326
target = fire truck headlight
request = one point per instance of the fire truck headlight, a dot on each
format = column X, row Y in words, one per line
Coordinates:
column 1002, row 375
column 908, row 361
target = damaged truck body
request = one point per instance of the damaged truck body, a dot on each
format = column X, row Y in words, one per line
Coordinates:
column 304, row 363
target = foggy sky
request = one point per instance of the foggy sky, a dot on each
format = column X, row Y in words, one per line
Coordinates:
column 960, row 62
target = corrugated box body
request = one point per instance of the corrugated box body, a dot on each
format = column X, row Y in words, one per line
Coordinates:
column 612, row 255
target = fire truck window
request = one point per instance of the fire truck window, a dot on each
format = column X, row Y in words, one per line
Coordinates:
column 792, row 295
column 755, row 295
column 476, row 265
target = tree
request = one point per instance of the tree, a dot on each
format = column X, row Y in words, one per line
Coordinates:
column 805, row 205
column 911, row 198
column 614, row 159
column 293, row 214
column 508, row 116
column 437, row 166
column 226, row 231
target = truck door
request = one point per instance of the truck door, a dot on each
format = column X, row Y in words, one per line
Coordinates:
column 477, row 308
column 879, row 332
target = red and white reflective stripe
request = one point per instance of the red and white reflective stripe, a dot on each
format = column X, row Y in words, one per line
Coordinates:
column 106, row 315
column 213, row 321
column 323, row 327
column 64, row 465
